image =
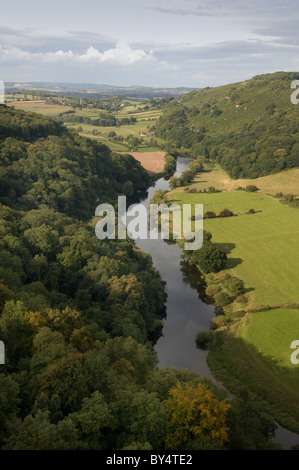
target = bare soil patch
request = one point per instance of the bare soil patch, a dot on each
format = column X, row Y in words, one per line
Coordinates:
column 153, row 162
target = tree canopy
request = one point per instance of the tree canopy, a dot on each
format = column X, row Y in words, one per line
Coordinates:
column 249, row 128
column 80, row 316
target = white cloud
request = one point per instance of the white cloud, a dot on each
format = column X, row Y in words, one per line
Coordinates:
column 11, row 55
column 200, row 43
column 120, row 55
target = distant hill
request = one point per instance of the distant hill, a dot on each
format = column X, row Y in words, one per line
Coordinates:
column 98, row 91
column 250, row 128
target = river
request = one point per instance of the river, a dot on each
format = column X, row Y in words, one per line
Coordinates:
column 187, row 314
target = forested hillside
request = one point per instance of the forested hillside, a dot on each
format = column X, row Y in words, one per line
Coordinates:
column 79, row 316
column 43, row 163
column 250, row 128
column 76, row 313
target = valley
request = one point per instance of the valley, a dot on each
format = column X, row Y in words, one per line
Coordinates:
column 242, row 151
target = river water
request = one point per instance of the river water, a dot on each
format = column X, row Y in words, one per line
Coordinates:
column 187, row 314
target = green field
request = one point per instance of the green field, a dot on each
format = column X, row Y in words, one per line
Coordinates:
column 50, row 110
column 252, row 350
column 134, row 129
column 272, row 333
column 144, row 114
column 255, row 354
column 144, row 121
column 268, row 336
column 286, row 181
column 262, row 248
column 116, row 147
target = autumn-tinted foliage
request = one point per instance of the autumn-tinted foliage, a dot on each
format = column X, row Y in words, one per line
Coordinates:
column 197, row 419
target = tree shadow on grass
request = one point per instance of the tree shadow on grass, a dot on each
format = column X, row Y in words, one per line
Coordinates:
column 241, row 365
column 233, row 262
column 249, row 289
column 226, row 247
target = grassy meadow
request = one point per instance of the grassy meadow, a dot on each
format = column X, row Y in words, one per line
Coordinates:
column 145, row 118
column 286, row 181
column 262, row 248
column 41, row 107
column 252, row 350
column 254, row 353
column 272, row 333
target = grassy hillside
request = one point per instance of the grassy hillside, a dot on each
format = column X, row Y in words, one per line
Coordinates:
column 250, row 128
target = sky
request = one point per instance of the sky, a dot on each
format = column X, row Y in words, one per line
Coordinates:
column 159, row 43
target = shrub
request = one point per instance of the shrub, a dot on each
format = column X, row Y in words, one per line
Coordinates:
column 217, row 112
column 209, row 215
column 242, row 299
column 239, row 314
column 218, row 322
column 218, row 310
column 290, row 197
column 212, row 290
column 207, row 236
column 202, row 338
column 222, row 299
column 236, row 286
column 225, row 213
column 209, row 258
column 251, row 188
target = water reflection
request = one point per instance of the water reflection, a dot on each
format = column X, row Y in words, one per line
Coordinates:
column 187, row 313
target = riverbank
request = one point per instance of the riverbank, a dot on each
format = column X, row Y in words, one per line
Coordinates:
column 238, row 365
column 186, row 312
column 263, row 254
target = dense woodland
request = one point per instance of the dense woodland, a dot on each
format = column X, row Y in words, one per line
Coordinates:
column 250, row 128
column 79, row 316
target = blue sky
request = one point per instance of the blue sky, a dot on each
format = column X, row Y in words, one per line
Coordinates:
column 165, row 43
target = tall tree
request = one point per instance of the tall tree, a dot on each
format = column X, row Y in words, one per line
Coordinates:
column 197, row 419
